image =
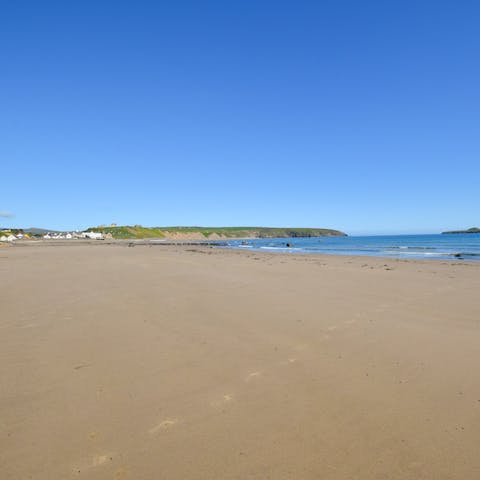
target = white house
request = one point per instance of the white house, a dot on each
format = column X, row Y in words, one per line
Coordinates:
column 92, row 235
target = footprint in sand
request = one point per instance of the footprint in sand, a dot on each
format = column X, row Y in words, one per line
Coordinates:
column 95, row 461
column 227, row 398
column 120, row 473
column 252, row 375
column 82, row 365
column 288, row 361
column 163, row 426
column 98, row 460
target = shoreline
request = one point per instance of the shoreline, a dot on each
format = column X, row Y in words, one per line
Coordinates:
column 218, row 245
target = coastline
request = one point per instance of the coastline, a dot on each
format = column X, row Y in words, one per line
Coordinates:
column 190, row 361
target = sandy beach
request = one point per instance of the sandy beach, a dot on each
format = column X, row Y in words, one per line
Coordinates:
column 171, row 362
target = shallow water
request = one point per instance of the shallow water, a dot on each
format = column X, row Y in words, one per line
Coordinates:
column 448, row 247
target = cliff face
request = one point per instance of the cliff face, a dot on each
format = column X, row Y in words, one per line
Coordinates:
column 470, row 230
column 213, row 233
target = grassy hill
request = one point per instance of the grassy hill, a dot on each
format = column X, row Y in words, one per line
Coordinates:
column 138, row 231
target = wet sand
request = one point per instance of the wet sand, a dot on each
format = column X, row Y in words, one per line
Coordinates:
column 201, row 363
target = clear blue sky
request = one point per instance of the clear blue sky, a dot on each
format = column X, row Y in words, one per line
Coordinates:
column 357, row 115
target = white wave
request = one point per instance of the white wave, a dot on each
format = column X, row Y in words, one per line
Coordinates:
column 281, row 248
column 421, row 254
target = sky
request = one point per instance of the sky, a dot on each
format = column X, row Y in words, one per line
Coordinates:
column 362, row 116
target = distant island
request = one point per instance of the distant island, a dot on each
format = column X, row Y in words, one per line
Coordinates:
column 211, row 233
column 470, row 230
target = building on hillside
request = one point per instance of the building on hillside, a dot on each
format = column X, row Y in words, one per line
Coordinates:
column 93, row 235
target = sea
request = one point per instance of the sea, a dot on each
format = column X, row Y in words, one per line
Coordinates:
column 465, row 247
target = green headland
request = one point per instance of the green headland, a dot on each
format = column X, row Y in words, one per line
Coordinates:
column 137, row 231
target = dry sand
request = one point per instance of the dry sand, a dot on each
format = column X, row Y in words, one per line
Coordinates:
column 198, row 363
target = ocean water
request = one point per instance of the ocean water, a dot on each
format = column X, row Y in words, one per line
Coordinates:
column 439, row 247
